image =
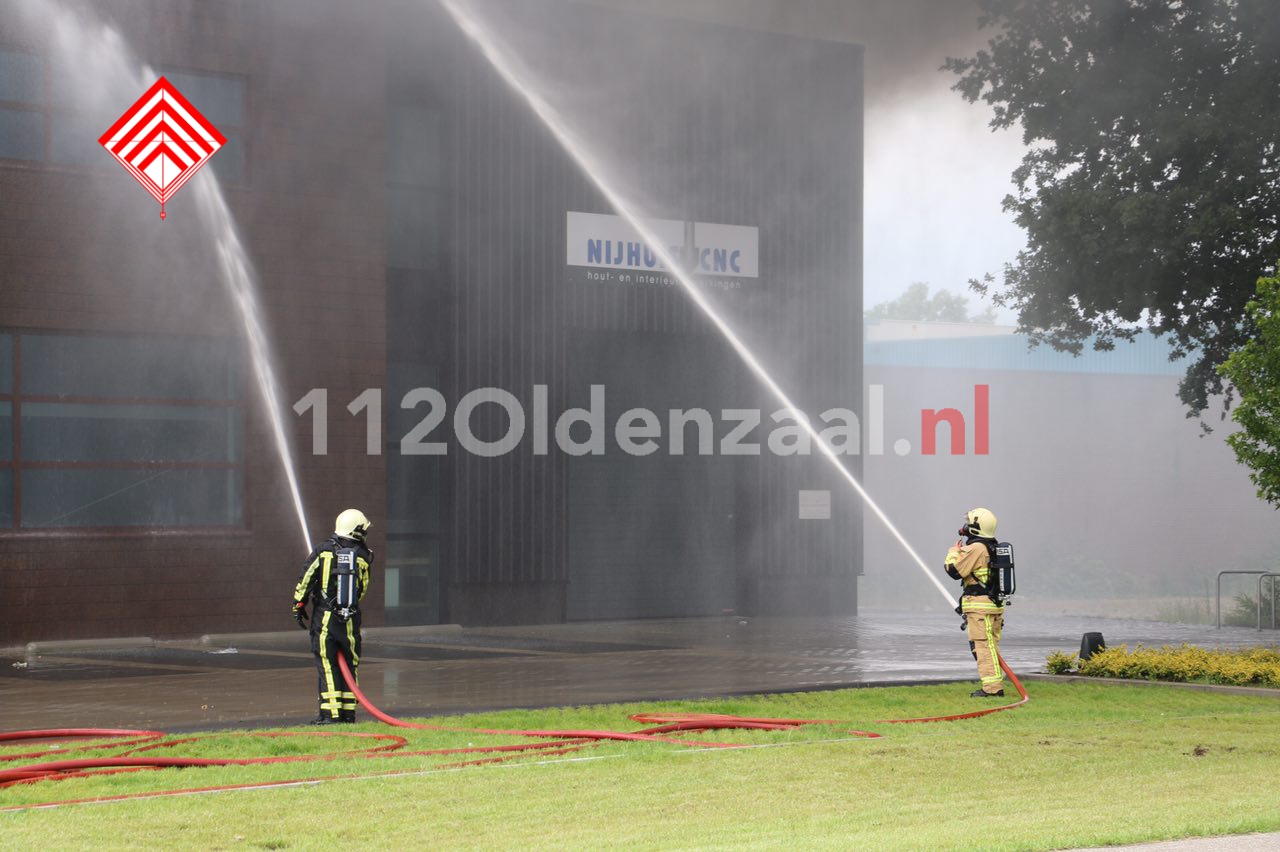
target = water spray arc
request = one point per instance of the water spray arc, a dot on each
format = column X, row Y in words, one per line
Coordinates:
column 239, row 280
column 507, row 66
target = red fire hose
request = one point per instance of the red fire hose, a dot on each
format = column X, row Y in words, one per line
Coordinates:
column 646, row 735
column 986, row 711
column 389, row 745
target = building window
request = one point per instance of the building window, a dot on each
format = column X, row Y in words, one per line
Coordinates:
column 415, row 187
column 419, row 334
column 73, row 139
column 21, row 134
column 21, row 77
column 119, row 432
column 6, row 498
column 221, row 99
column 6, row 367
column 22, row 118
column 45, row 123
column 6, row 432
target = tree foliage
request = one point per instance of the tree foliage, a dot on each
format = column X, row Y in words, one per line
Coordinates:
column 916, row 304
column 1254, row 371
column 1150, row 193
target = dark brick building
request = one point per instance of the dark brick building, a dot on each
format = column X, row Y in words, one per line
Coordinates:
column 409, row 223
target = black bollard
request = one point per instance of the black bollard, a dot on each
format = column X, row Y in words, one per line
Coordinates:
column 1090, row 644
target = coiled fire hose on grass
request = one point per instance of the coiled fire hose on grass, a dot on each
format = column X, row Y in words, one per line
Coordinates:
column 554, row 742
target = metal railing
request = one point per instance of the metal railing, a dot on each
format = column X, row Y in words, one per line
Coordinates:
column 1272, row 576
column 1218, row 595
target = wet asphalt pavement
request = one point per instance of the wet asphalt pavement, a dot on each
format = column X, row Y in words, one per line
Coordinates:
column 268, row 679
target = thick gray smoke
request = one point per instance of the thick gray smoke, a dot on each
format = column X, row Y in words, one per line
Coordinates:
column 905, row 40
column 935, row 173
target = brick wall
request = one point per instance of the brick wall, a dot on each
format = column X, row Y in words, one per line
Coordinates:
column 83, row 250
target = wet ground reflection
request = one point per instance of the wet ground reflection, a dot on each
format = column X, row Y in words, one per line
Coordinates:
column 268, row 678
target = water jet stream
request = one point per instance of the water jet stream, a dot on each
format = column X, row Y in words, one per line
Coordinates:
column 503, row 60
column 241, row 286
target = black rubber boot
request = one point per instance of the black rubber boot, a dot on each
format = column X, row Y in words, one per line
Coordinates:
column 347, row 716
column 981, row 694
column 325, row 719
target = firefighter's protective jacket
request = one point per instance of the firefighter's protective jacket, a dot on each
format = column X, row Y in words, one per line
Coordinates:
column 971, row 563
column 318, row 581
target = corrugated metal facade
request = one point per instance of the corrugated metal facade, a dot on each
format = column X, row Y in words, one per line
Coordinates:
column 771, row 137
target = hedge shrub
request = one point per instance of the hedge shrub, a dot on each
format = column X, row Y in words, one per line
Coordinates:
column 1185, row 664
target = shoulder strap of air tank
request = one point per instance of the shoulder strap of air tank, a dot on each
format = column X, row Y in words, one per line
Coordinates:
column 993, row 576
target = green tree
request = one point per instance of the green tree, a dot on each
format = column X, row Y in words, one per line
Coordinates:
column 916, row 304
column 1149, row 193
column 1254, row 371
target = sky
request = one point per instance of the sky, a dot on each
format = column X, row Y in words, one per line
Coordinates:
column 935, row 179
column 935, row 173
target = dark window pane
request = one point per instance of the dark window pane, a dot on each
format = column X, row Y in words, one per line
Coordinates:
column 6, row 364
column 414, row 147
column 124, row 433
column 219, row 99
column 21, row 134
column 411, row 577
column 6, row 498
column 413, row 491
column 402, row 377
column 413, row 228
column 131, row 367
column 65, row 88
column 419, row 319
column 73, row 139
column 6, row 431
column 21, row 77
column 130, row 498
column 228, row 161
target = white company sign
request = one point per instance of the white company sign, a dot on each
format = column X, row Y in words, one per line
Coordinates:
column 603, row 241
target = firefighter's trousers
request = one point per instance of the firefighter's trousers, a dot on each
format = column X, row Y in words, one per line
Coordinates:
column 985, row 620
column 331, row 636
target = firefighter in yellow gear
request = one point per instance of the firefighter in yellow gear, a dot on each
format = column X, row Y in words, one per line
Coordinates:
column 334, row 580
column 970, row 561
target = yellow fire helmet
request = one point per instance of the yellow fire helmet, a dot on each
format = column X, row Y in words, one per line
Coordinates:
column 980, row 523
column 352, row 524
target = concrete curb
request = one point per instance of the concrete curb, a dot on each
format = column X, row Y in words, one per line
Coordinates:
column 63, row 645
column 413, row 630
column 1262, row 691
column 422, row 630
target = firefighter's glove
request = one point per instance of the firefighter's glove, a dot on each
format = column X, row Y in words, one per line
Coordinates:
column 953, row 558
column 300, row 613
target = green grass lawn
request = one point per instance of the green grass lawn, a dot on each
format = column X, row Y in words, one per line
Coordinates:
column 1082, row 764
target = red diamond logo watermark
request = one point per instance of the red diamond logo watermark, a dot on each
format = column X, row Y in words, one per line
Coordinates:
column 162, row 140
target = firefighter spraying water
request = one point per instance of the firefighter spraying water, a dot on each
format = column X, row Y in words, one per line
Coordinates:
column 335, row 580
column 984, row 568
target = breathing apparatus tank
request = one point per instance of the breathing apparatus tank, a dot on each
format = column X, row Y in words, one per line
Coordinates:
column 346, row 597
column 1002, row 571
